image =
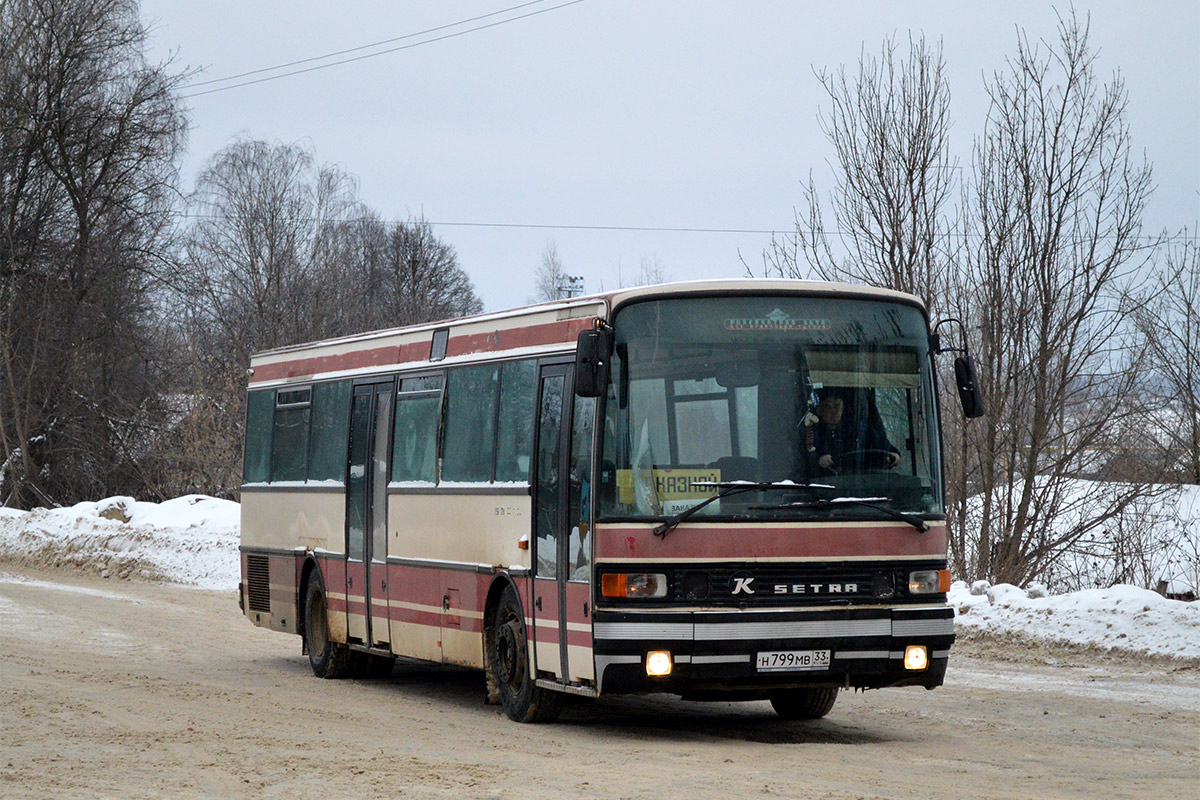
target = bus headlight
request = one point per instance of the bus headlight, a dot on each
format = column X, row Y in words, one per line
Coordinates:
column 633, row 584
column 916, row 657
column 658, row 663
column 929, row 581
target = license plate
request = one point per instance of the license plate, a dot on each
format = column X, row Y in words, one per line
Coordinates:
column 792, row 660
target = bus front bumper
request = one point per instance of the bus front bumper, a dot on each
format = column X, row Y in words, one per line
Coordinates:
column 737, row 654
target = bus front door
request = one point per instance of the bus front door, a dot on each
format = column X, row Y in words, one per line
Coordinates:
column 366, row 513
column 562, row 548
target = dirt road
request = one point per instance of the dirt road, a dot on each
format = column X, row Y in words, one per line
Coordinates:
column 114, row 689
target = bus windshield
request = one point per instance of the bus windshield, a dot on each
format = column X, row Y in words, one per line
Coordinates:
column 835, row 394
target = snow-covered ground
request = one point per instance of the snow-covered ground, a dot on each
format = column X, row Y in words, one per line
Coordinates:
column 191, row 540
column 1119, row 617
column 194, row 540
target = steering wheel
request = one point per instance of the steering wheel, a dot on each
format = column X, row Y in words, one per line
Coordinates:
column 866, row 455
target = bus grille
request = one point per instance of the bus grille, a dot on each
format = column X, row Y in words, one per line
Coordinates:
column 258, row 583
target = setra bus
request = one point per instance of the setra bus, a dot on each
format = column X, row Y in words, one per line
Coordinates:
column 720, row 489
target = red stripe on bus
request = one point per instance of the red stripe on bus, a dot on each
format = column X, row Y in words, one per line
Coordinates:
column 748, row 542
column 560, row 332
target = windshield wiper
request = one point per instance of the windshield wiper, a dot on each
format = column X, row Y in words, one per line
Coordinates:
column 868, row 502
column 727, row 489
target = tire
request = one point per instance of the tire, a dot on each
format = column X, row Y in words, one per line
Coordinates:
column 328, row 659
column 522, row 699
column 804, row 703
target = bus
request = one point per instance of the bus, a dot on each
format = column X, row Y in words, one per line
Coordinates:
column 723, row 490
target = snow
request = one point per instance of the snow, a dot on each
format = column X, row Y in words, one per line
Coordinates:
column 191, row 539
column 1155, row 539
column 1122, row 617
column 194, row 540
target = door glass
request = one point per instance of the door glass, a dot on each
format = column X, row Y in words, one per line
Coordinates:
column 356, row 496
column 547, row 502
column 579, row 502
column 379, row 479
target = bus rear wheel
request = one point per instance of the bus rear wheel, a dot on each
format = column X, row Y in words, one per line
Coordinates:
column 804, row 703
column 328, row 659
column 523, row 700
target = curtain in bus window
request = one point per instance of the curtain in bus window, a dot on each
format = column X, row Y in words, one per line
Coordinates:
column 514, row 429
column 260, row 412
column 330, row 431
column 470, row 423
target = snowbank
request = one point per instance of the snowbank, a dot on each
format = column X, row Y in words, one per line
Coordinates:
column 192, row 539
column 1117, row 618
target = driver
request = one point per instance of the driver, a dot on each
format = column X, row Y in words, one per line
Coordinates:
column 834, row 438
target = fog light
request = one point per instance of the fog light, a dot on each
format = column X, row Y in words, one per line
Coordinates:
column 915, row 657
column 658, row 663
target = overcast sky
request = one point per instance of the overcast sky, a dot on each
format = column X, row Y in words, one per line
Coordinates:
column 641, row 113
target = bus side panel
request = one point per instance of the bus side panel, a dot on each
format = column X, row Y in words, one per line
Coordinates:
column 579, row 632
column 281, row 526
column 459, row 528
column 333, row 575
column 462, row 620
column 415, row 609
column 356, row 600
column 462, row 538
column 544, row 634
column 524, row 587
column 269, row 589
column 294, row 518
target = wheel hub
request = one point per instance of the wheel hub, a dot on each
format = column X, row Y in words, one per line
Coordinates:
column 506, row 652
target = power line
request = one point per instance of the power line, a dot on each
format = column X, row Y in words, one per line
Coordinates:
column 385, row 52
column 363, row 47
column 568, row 227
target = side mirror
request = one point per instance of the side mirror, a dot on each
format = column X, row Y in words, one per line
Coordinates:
column 969, row 393
column 593, row 354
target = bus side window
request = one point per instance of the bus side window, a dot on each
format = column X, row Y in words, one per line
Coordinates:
column 330, row 431
column 579, row 508
column 260, row 411
column 468, row 449
column 289, row 440
column 514, row 428
column 414, row 445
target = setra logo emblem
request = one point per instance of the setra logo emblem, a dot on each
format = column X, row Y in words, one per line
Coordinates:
column 742, row 584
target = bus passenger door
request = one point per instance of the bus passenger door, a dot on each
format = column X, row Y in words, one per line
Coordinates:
column 366, row 513
column 563, row 546
column 549, row 519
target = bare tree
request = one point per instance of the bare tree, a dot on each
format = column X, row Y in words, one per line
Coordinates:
column 650, row 272
column 282, row 252
column 551, row 281
column 1053, row 220
column 889, row 127
column 257, row 256
column 1169, row 321
column 90, row 134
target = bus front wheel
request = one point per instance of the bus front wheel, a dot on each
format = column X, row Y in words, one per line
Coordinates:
column 804, row 703
column 328, row 659
column 523, row 700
